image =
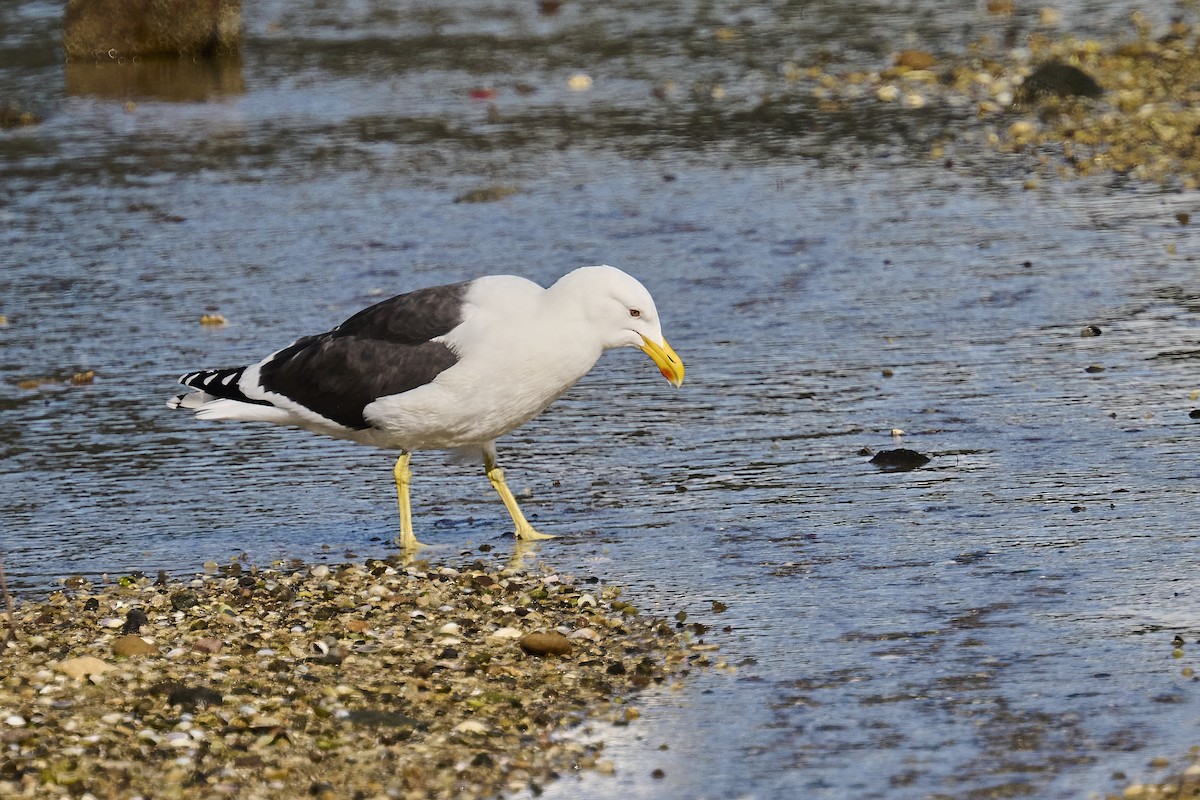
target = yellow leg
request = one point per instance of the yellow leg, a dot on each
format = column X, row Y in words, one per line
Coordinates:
column 408, row 540
column 525, row 531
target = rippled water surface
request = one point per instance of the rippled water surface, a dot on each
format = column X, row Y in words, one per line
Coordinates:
column 997, row 623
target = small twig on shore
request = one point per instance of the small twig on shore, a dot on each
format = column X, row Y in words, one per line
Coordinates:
column 11, row 636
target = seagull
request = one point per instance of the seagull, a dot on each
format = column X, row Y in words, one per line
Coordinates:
column 443, row 368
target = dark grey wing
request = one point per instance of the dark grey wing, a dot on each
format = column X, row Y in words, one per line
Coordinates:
column 339, row 376
column 412, row 318
column 382, row 350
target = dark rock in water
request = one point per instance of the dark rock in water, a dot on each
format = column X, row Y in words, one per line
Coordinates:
column 194, row 696
column 92, row 604
column 117, row 29
column 1194, row 413
column 1091, row 330
column 134, row 621
column 1056, row 79
column 899, row 460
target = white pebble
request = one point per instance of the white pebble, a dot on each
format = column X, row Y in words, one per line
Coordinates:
column 506, row 633
column 14, row 721
column 319, row 571
column 470, row 726
column 584, row 633
column 587, row 600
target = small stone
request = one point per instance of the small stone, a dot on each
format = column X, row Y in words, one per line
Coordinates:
column 470, row 726
column 83, row 666
column 1090, row 330
column 191, row 697
column 1049, row 16
column 542, row 644
column 132, row 645
column 585, row 633
column 183, row 601
column 14, row 721
column 915, row 59
column 134, row 621
column 208, row 645
column 1094, row 368
column 1056, row 79
column 505, row 633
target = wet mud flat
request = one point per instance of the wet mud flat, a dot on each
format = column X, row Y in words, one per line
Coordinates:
column 359, row 680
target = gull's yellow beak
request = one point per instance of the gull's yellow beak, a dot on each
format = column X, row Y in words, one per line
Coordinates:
column 668, row 362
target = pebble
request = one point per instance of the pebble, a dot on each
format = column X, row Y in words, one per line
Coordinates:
column 505, row 633
column 83, row 666
column 543, row 644
column 134, row 621
column 132, row 645
column 208, row 645
column 584, row 633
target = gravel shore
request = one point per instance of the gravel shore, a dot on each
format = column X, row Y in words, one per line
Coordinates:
column 368, row 680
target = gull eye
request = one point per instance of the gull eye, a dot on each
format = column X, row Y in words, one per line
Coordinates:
column 635, row 312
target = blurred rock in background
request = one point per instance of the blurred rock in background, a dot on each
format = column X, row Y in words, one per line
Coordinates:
column 117, row 29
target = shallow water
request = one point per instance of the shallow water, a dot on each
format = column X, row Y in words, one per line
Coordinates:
column 997, row 623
